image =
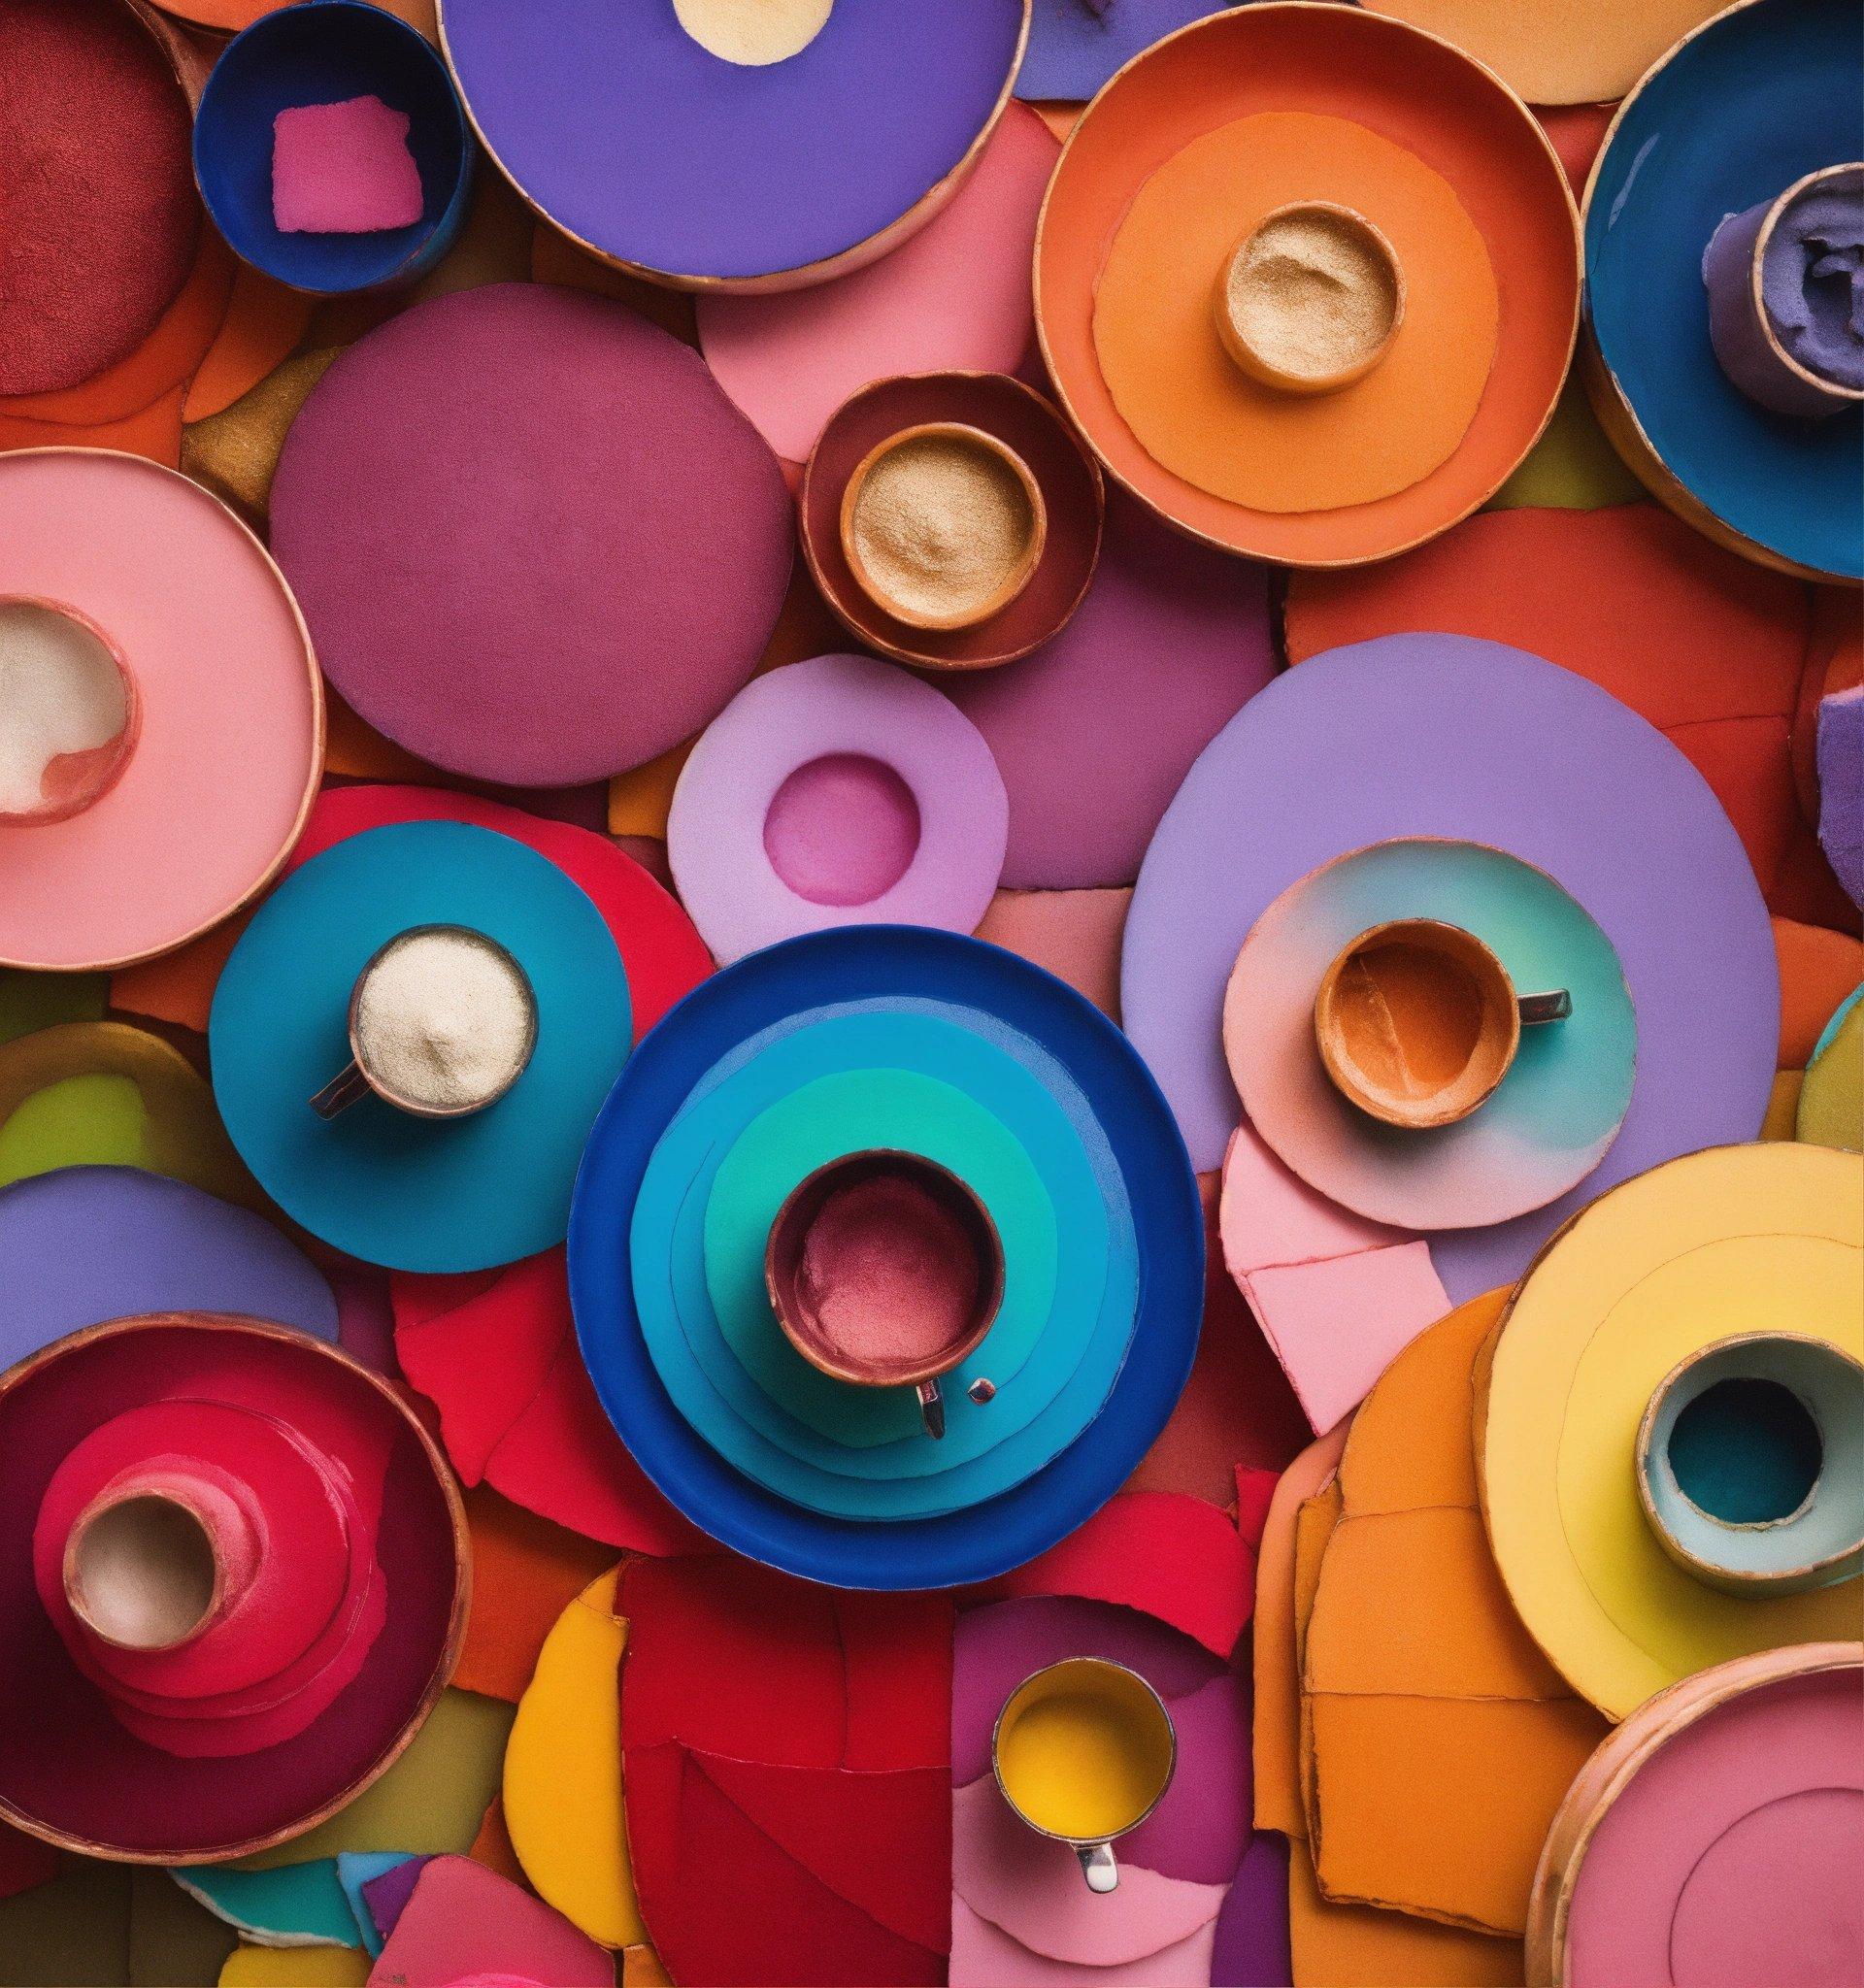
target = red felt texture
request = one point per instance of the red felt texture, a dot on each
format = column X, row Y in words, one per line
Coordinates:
column 727, row 1904
column 496, row 1354
column 1176, row 1557
column 24, row 1861
column 98, row 214
column 731, row 1658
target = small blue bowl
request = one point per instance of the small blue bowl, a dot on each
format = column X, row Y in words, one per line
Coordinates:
column 324, row 51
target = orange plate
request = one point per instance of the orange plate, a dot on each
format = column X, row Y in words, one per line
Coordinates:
column 1408, row 87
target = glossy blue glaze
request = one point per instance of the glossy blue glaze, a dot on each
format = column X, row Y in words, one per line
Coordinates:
column 1756, row 101
column 325, row 51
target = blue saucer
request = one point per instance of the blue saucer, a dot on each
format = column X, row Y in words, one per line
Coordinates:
column 716, row 1029
column 1735, row 115
column 325, row 51
column 412, row 1193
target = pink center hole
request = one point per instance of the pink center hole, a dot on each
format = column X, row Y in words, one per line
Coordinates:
column 842, row 830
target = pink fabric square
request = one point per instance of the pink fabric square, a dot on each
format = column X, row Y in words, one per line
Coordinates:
column 342, row 169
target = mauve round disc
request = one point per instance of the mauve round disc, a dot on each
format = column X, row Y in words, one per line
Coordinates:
column 533, row 540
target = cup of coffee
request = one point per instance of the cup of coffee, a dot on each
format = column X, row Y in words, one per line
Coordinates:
column 1417, row 1021
column 884, row 1270
column 1083, row 1751
column 442, row 1023
column 69, row 711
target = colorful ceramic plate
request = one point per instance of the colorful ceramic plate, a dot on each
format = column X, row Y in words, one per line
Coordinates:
column 1723, row 1818
column 219, row 783
column 1066, row 474
column 1734, row 1239
column 68, row 1772
column 1545, row 766
column 888, row 964
column 411, row 1193
column 625, row 128
column 1552, row 1118
column 1734, row 115
column 1464, row 127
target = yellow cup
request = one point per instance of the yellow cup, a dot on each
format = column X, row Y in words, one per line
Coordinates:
column 1083, row 1753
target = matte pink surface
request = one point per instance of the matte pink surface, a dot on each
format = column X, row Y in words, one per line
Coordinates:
column 342, row 169
column 464, row 1922
column 229, row 747
column 983, row 1956
column 1095, row 730
column 533, row 540
column 956, row 296
column 1031, row 1888
column 1737, row 1843
column 842, row 830
column 717, row 839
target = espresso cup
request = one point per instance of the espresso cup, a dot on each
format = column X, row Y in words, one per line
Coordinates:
column 442, row 1023
column 1083, row 1751
column 1417, row 1021
column 70, row 715
column 884, row 1270
column 157, row 1558
column 1750, row 1464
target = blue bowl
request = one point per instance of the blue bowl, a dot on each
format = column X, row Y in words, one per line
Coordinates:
column 323, row 51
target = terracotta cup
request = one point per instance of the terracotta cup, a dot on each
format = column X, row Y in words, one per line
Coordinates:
column 1288, row 319
column 953, row 445
column 41, row 641
column 157, row 1558
column 359, row 1079
column 900, row 1221
column 1418, row 1022
column 1083, row 1751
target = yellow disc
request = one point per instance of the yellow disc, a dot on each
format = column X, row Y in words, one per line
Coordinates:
column 1735, row 1240
column 564, row 1772
column 1831, row 1099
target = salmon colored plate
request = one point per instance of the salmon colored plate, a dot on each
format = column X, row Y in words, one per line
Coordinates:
column 221, row 778
column 1408, row 88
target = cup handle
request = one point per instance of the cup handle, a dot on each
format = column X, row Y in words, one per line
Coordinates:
column 1098, row 1868
column 1539, row 1007
column 931, row 1407
column 342, row 1091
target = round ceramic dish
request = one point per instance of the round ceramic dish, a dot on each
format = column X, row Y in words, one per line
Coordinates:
column 1750, row 1464
column 326, row 51
column 88, row 1244
column 657, row 155
column 1548, row 767
column 1064, row 471
column 1555, row 1112
column 1464, row 127
column 221, row 776
column 69, row 1772
column 417, row 1194
column 534, row 541
column 1726, row 1811
column 1736, row 113
column 898, row 966
column 1730, row 1241
column 836, row 791
column 1048, row 1393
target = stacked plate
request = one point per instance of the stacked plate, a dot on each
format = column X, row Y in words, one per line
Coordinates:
column 907, row 1042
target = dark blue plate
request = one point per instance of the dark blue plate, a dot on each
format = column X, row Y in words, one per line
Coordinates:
column 1757, row 99
column 325, row 51
column 860, row 963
